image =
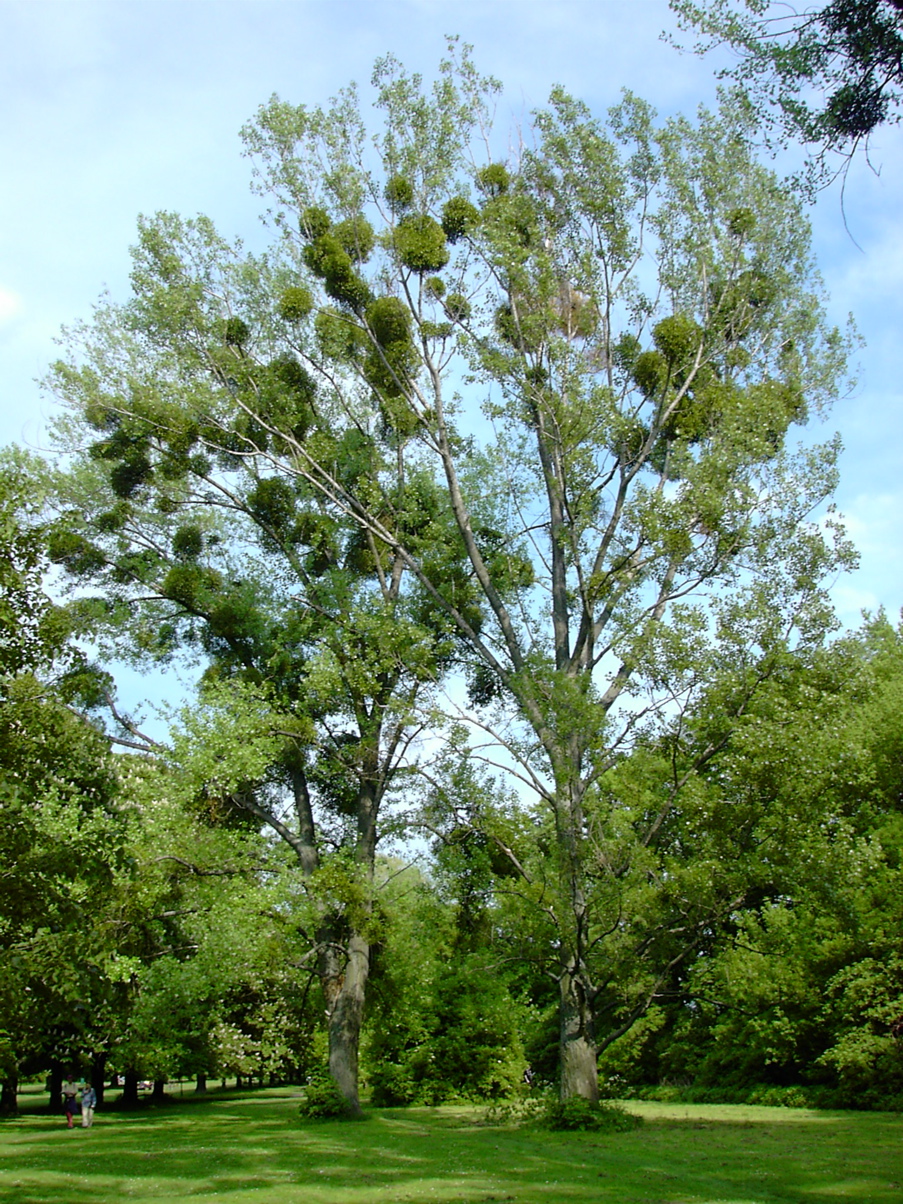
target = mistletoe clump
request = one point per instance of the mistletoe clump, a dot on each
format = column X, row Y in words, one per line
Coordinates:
column 236, row 332
column 389, row 365
column 399, row 193
column 459, row 217
column 272, row 503
column 421, row 244
column 188, row 542
column 315, row 222
column 650, row 371
column 287, row 396
column 678, row 338
column 328, row 256
column 296, row 303
column 132, row 471
column 357, row 237
column 390, row 321
column 493, row 179
column 458, row 307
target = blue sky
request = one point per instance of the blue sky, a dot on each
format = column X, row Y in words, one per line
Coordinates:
column 115, row 107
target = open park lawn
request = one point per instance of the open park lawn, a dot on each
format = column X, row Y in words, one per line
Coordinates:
column 253, row 1147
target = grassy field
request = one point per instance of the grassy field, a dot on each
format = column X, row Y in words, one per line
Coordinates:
column 253, row 1147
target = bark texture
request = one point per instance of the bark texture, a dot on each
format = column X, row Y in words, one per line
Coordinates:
column 345, row 1021
column 579, row 1073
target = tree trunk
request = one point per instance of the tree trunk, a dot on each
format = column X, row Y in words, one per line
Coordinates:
column 55, row 1087
column 159, row 1095
column 579, row 1073
column 98, row 1067
column 130, row 1088
column 9, row 1090
column 345, row 1017
column 201, row 1084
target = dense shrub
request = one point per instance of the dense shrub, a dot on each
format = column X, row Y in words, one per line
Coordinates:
column 582, row 1114
column 768, row 1095
column 323, row 1100
column 461, row 1043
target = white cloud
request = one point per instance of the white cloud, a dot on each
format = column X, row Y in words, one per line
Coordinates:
column 10, row 305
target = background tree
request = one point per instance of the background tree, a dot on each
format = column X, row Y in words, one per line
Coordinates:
column 798, row 995
column 61, row 834
column 828, row 75
column 446, row 984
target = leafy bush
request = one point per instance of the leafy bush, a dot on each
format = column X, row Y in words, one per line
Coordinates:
column 462, row 1043
column 394, row 1086
column 517, row 1110
column 323, row 1100
column 584, row 1115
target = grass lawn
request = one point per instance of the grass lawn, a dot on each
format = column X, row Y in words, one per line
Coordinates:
column 253, row 1147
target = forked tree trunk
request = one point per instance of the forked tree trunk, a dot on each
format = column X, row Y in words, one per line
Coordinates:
column 343, row 961
column 577, row 1050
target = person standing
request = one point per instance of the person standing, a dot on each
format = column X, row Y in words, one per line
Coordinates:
column 70, row 1091
column 89, row 1102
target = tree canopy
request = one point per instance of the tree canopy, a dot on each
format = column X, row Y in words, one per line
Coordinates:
column 828, row 75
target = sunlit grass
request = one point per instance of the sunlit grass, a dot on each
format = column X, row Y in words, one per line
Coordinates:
column 254, row 1147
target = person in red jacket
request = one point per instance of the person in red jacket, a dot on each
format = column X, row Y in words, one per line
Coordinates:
column 70, row 1105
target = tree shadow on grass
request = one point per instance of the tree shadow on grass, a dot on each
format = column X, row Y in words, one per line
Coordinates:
column 258, row 1144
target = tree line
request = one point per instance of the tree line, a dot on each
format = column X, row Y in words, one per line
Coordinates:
column 473, row 501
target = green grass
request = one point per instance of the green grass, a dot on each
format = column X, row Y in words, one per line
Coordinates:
column 253, row 1147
